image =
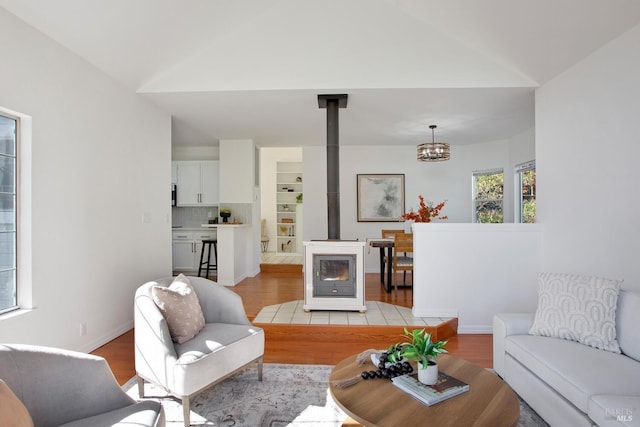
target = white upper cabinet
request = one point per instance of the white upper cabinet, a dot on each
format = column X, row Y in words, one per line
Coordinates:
column 198, row 183
column 174, row 172
column 188, row 185
column 210, row 190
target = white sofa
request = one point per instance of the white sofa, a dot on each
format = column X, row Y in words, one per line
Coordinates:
column 568, row 383
column 227, row 342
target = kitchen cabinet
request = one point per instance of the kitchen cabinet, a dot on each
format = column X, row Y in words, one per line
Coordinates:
column 174, row 172
column 198, row 183
column 186, row 249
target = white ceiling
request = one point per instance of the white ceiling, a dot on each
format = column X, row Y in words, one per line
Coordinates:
column 253, row 68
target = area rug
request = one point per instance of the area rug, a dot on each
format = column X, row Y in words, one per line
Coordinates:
column 289, row 395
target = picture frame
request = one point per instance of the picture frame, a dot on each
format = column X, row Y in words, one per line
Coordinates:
column 380, row 197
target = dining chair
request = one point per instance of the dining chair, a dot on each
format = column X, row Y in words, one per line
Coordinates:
column 402, row 257
column 389, row 233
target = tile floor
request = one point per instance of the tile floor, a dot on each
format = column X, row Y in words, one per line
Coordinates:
column 378, row 313
column 273, row 258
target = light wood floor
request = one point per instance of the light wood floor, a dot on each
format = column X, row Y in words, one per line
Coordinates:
column 325, row 345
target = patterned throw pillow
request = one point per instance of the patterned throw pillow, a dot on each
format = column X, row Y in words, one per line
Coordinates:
column 577, row 308
column 181, row 308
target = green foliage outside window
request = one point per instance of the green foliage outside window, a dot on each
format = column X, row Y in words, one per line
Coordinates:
column 489, row 195
column 8, row 219
column 528, row 179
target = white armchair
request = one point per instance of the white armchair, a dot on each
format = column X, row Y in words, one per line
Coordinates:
column 59, row 386
column 227, row 343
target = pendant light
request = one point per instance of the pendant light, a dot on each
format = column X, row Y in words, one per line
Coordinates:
column 433, row 151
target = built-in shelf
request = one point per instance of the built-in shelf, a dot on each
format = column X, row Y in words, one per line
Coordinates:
column 289, row 207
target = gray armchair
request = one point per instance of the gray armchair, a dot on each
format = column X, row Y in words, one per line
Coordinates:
column 227, row 343
column 62, row 387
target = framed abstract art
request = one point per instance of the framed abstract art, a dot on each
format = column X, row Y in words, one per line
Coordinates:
column 380, row 197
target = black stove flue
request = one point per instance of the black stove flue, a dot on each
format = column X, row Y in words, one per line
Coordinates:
column 332, row 103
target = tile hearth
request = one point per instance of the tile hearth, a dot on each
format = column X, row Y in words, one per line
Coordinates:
column 378, row 314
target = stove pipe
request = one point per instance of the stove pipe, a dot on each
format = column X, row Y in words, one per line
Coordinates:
column 332, row 103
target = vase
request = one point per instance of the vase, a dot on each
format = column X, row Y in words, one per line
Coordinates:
column 429, row 375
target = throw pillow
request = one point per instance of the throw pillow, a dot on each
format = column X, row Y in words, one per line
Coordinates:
column 12, row 412
column 577, row 308
column 180, row 306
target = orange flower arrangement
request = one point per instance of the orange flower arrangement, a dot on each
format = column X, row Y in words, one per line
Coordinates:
column 426, row 212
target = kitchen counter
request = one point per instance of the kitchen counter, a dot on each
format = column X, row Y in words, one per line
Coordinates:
column 235, row 245
column 200, row 227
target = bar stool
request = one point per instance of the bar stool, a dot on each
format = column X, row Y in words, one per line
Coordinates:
column 208, row 243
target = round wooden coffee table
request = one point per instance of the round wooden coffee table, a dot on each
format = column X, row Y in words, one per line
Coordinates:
column 489, row 401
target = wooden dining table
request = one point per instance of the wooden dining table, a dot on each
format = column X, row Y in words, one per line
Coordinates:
column 385, row 245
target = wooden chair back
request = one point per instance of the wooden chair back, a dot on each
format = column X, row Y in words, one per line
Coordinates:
column 402, row 256
column 388, row 233
column 403, row 242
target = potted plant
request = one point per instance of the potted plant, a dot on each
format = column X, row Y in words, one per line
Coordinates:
column 423, row 350
column 225, row 213
column 425, row 212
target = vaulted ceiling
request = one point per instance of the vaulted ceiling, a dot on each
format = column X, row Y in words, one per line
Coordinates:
column 253, row 68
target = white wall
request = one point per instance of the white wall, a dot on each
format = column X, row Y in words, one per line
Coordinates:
column 237, row 171
column 449, row 181
column 100, row 162
column 472, row 271
column 239, row 190
column 195, row 153
column 588, row 148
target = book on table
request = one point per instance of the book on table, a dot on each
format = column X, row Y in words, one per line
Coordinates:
column 445, row 388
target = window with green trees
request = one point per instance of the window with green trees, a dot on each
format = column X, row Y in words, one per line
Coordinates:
column 488, row 196
column 8, row 219
column 526, row 174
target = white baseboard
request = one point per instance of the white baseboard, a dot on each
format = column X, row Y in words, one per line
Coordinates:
column 475, row 329
column 105, row 338
column 437, row 312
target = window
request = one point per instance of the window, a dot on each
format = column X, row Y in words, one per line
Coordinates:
column 8, row 217
column 488, row 196
column 526, row 186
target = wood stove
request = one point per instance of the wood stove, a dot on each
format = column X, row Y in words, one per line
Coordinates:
column 333, row 268
column 334, row 275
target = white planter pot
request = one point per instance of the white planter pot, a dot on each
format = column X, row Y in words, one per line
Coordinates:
column 428, row 376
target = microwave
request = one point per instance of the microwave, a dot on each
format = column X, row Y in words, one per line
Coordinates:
column 174, row 195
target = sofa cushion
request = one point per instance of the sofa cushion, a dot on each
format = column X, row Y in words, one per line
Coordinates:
column 613, row 410
column 628, row 315
column 574, row 370
column 180, row 306
column 577, row 308
column 217, row 350
column 12, row 411
column 213, row 337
